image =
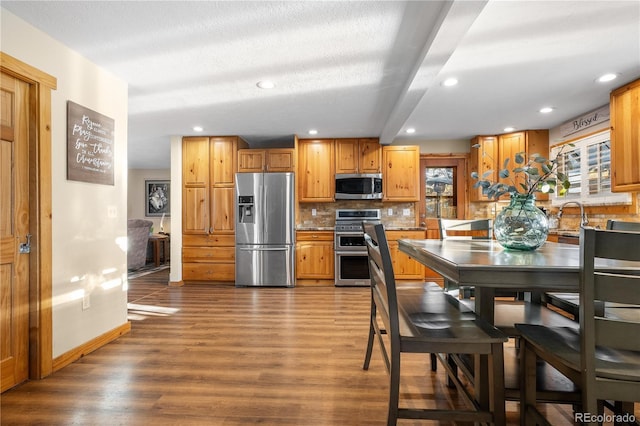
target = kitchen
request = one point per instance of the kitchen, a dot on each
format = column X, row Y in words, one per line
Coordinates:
column 86, row 232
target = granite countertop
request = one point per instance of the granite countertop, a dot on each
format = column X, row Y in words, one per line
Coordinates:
column 405, row 228
column 314, row 228
column 565, row 232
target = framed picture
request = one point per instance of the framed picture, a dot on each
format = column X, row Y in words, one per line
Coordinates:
column 158, row 197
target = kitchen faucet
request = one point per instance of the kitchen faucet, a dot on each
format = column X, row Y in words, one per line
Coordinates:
column 583, row 215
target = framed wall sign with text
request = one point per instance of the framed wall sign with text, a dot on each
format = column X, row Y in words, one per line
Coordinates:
column 90, row 143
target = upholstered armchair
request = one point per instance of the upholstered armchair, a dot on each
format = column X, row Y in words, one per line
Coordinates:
column 138, row 238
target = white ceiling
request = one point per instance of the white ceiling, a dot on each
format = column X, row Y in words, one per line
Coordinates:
column 347, row 68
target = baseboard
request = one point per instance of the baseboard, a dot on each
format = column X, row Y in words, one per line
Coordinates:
column 176, row 283
column 90, row 346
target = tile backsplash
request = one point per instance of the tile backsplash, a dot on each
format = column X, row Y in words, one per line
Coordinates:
column 325, row 213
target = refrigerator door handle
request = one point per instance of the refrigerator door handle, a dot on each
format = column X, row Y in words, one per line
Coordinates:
column 263, row 249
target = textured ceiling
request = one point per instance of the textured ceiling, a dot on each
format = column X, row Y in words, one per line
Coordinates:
column 347, row 68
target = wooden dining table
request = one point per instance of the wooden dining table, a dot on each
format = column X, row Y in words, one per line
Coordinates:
column 487, row 266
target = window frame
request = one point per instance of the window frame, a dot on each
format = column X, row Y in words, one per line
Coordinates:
column 600, row 199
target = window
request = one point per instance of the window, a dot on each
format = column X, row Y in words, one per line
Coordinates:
column 588, row 166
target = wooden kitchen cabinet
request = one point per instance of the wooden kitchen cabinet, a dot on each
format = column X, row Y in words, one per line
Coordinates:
column 530, row 142
column 404, row 266
column 401, row 173
column 482, row 159
column 316, row 170
column 625, row 138
column 209, row 165
column 358, row 155
column 314, row 255
column 266, row 160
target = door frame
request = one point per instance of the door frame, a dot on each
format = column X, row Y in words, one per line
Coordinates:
column 446, row 160
column 40, row 269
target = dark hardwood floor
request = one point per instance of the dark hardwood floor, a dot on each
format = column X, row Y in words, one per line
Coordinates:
column 217, row 355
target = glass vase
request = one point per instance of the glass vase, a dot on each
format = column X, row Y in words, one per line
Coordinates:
column 521, row 225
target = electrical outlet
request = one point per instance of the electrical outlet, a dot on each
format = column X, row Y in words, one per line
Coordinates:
column 112, row 212
column 390, row 212
column 313, row 212
column 406, row 212
column 86, row 302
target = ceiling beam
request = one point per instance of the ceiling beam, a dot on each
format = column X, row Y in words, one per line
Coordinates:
column 455, row 19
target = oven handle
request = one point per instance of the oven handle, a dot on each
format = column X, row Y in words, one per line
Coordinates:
column 340, row 253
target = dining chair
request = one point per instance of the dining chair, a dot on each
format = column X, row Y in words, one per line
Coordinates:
column 603, row 357
column 569, row 302
column 419, row 320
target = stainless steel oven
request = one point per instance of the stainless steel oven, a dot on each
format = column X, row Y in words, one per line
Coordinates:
column 352, row 265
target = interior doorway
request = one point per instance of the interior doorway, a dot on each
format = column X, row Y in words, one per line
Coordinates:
column 27, row 245
column 442, row 187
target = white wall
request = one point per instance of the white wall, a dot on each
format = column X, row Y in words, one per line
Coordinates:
column 137, row 196
column 89, row 220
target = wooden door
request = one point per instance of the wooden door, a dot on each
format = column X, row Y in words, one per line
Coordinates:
column 401, row 174
column 14, row 228
column 223, row 161
column 508, row 146
column 280, row 160
column 195, row 182
column 316, row 170
column 251, row 160
column 370, row 155
column 347, row 156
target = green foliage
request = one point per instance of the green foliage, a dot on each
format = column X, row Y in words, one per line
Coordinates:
column 540, row 175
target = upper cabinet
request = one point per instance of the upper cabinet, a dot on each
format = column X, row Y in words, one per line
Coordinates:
column 530, row 142
column 482, row 158
column 358, row 155
column 316, row 170
column 266, row 160
column 625, row 138
column 401, row 173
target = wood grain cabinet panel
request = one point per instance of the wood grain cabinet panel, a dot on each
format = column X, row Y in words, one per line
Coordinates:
column 625, row 138
column 482, row 159
column 405, row 267
column 401, row 173
column 358, row 155
column 209, row 165
column 315, row 255
column 266, row 160
column 316, row 170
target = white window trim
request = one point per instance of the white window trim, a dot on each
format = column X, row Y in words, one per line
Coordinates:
column 586, row 199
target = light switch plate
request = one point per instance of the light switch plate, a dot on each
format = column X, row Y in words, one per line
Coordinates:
column 313, row 212
column 390, row 212
column 406, row 212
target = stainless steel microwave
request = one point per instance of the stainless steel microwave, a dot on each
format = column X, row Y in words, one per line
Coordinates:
column 359, row 186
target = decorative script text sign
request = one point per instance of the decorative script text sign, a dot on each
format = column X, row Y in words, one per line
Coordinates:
column 89, row 145
column 585, row 121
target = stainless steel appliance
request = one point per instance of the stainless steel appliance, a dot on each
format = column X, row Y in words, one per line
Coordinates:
column 265, row 229
column 359, row 186
column 352, row 266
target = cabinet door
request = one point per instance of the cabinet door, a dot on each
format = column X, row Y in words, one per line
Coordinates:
column 482, row 159
column 347, row 153
column 195, row 184
column 314, row 260
column 401, row 173
column 280, row 160
column 404, row 267
column 223, row 160
column 222, row 210
column 370, row 155
column 625, row 134
column 251, row 160
column 316, row 175
column 508, row 146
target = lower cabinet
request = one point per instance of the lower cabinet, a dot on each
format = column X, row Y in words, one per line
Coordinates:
column 208, row 258
column 314, row 255
column 404, row 267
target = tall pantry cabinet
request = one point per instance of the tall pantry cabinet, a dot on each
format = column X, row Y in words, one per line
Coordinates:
column 209, row 165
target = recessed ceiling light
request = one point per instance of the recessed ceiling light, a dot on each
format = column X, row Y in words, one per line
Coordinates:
column 509, row 129
column 606, row 77
column 410, row 130
column 197, row 129
column 450, row 82
column 266, row 84
column 313, row 132
column 546, row 110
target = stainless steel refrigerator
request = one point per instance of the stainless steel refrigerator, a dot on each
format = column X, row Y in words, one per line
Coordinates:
column 265, row 229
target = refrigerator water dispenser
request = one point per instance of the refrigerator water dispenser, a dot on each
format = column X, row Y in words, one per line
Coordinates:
column 246, row 208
